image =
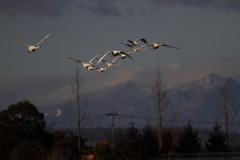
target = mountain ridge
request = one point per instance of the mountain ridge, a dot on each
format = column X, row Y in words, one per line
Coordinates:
column 196, row 99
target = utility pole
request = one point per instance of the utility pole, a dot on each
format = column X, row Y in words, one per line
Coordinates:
column 112, row 114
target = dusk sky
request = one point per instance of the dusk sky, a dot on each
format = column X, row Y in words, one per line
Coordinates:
column 208, row 32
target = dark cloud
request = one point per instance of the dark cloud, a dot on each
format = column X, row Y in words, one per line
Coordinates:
column 54, row 8
column 218, row 4
column 100, row 7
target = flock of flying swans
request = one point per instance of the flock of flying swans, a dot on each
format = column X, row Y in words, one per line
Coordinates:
column 135, row 45
column 96, row 63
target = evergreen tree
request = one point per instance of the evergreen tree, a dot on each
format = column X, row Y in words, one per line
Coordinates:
column 127, row 143
column 216, row 140
column 119, row 142
column 132, row 142
column 149, row 143
column 189, row 141
column 167, row 142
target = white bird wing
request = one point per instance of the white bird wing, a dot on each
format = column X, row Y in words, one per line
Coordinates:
column 103, row 57
column 127, row 55
column 23, row 43
column 169, row 46
column 123, row 43
column 75, row 59
column 116, row 64
column 147, row 45
column 126, row 43
column 93, row 59
column 112, row 63
column 130, row 52
column 114, row 59
column 43, row 39
column 129, row 45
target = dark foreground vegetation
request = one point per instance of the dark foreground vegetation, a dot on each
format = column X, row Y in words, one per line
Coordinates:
column 24, row 136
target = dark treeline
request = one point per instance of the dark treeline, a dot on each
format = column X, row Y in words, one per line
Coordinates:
column 24, row 136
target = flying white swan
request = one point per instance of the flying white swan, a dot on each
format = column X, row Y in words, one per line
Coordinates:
column 115, row 53
column 101, row 69
column 89, row 65
column 112, row 63
column 136, row 42
column 137, row 48
column 134, row 49
column 32, row 48
column 157, row 45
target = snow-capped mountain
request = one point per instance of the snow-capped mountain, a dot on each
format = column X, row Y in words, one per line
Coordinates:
column 198, row 99
column 195, row 100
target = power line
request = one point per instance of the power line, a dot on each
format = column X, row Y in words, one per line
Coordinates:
column 75, row 120
column 114, row 114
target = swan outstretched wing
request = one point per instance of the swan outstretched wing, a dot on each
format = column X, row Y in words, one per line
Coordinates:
column 23, row 43
column 127, row 44
column 131, row 43
column 115, row 64
column 75, row 59
column 127, row 55
column 103, row 57
column 143, row 40
column 169, row 46
column 93, row 58
column 43, row 39
column 114, row 59
column 148, row 45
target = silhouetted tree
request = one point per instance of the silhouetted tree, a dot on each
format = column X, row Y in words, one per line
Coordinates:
column 149, row 143
column 64, row 146
column 216, row 140
column 127, row 143
column 167, row 142
column 22, row 132
column 132, row 142
column 160, row 100
column 80, row 95
column 227, row 110
column 189, row 141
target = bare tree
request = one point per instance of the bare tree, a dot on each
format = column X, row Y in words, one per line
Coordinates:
column 80, row 95
column 160, row 101
column 227, row 110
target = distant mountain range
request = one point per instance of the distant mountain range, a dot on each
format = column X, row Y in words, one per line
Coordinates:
column 195, row 100
column 198, row 99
